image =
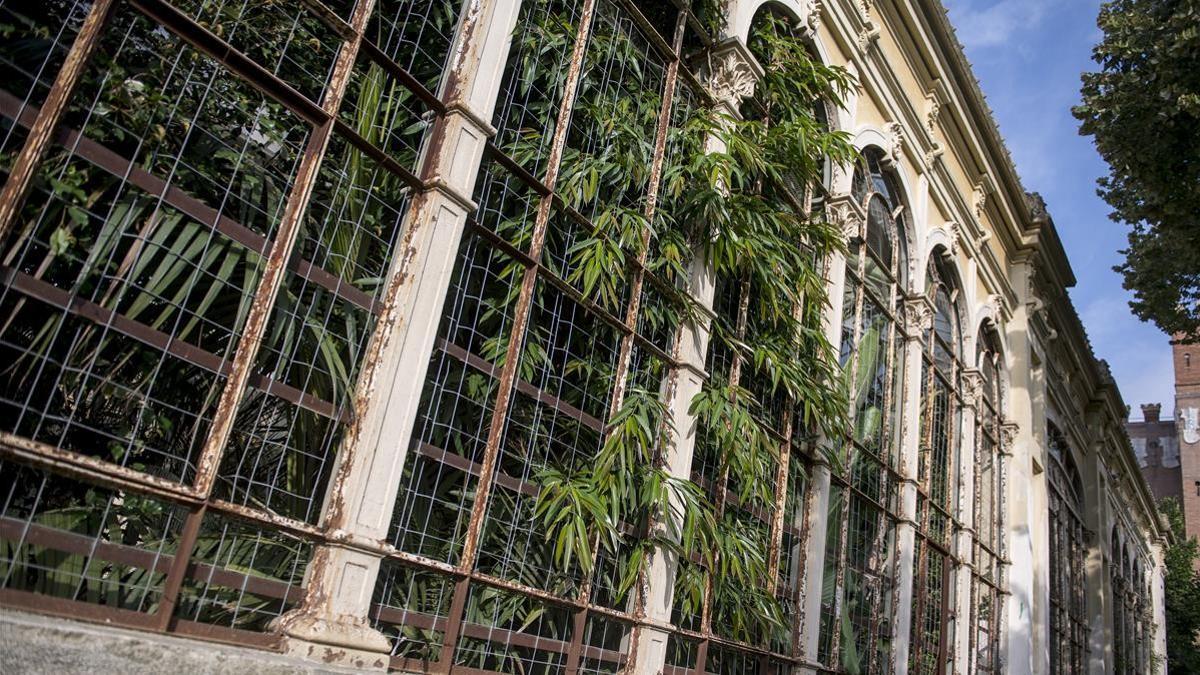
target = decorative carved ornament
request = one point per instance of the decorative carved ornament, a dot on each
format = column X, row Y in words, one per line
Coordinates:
column 868, row 35
column 918, row 316
column 810, row 11
column 972, row 387
column 979, row 201
column 955, row 231
column 996, row 306
column 1008, row 437
column 731, row 74
column 895, row 150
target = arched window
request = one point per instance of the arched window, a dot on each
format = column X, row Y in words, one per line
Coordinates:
column 989, row 512
column 860, row 553
column 931, row 645
column 1068, row 603
column 1131, row 609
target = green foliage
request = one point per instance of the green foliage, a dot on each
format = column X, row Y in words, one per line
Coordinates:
column 1182, row 593
column 741, row 208
column 1143, row 110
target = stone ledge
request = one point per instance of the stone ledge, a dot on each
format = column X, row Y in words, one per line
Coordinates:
column 31, row 643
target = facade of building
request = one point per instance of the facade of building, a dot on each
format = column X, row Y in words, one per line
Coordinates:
column 289, row 331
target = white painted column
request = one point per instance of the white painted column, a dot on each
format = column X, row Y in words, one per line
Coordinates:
column 1020, row 656
column 1099, row 594
column 732, row 78
column 965, row 537
column 840, row 211
column 918, row 318
column 1159, row 608
column 331, row 624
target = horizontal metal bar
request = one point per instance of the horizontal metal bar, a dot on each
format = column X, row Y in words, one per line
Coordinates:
column 373, row 52
column 92, row 470
column 241, row 65
column 379, row 156
column 423, row 621
column 457, row 461
column 119, row 167
column 180, row 349
column 486, row 367
column 74, row 543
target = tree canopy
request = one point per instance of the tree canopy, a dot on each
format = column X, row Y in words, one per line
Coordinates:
column 1143, row 110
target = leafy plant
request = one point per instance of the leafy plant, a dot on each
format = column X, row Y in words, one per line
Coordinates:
column 738, row 208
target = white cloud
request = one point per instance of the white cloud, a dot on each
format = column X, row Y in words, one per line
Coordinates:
column 981, row 25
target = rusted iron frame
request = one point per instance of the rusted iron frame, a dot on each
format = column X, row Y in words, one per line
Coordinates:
column 372, row 51
column 560, row 284
column 424, row 621
column 121, row 168
column 238, row 63
column 521, row 314
column 734, row 501
column 722, row 483
column 20, row 176
column 14, row 529
column 635, row 292
column 275, row 270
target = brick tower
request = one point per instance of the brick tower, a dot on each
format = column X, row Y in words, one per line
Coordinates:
column 1187, row 426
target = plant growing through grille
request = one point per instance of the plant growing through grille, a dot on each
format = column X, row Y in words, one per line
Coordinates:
column 196, row 261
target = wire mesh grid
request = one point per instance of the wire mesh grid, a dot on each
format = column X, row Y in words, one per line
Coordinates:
column 136, row 258
column 859, row 582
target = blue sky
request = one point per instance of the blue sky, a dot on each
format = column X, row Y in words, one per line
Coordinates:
column 1028, row 55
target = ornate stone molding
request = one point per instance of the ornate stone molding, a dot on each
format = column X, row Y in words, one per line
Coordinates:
column 895, row 149
column 846, row 214
column 1008, row 437
column 972, row 387
column 918, row 316
column 956, row 234
column 979, row 201
column 995, row 305
column 868, row 35
column 731, row 73
column 810, row 18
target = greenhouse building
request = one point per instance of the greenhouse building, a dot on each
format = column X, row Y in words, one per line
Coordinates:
column 539, row 337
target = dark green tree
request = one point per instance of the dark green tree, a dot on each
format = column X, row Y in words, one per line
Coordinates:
column 1182, row 593
column 1143, row 110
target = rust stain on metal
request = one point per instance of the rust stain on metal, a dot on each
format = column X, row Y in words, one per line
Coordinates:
column 41, row 132
column 275, row 268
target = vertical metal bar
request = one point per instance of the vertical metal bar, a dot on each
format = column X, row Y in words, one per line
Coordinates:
column 42, row 130
column 165, row 612
column 275, row 269
column 631, row 318
column 521, row 313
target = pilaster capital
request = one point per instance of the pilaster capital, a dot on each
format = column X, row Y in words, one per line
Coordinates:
column 918, row 316
column 845, row 212
column 972, row 379
column 730, row 73
column 1008, row 437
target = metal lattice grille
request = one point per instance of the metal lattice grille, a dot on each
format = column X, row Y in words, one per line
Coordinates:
column 535, row 355
column 931, row 646
column 858, row 597
column 988, row 582
column 193, row 264
column 1068, row 551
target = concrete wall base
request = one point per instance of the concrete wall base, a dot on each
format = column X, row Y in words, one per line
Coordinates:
column 31, row 644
